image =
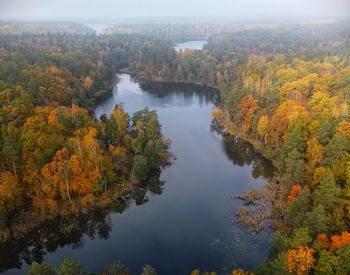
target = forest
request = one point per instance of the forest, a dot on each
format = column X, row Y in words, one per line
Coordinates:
column 55, row 158
column 284, row 89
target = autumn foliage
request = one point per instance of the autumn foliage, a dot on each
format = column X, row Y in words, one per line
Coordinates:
column 296, row 188
column 286, row 89
column 339, row 241
column 300, row 260
column 247, row 108
column 323, row 241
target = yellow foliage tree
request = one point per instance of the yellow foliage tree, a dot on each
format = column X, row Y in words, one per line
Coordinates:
column 300, row 260
column 315, row 152
column 263, row 128
column 88, row 81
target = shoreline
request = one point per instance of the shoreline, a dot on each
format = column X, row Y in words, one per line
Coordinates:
column 167, row 81
column 257, row 145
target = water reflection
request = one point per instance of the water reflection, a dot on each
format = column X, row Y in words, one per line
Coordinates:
column 190, row 218
column 63, row 231
column 187, row 92
column 242, row 153
column 73, row 230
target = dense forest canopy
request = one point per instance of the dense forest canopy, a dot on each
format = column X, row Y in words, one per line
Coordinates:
column 52, row 151
column 19, row 28
column 286, row 89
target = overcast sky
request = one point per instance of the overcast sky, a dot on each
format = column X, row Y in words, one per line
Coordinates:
column 117, row 9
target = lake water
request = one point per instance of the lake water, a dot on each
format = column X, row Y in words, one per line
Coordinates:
column 99, row 28
column 183, row 222
column 191, row 224
column 195, row 45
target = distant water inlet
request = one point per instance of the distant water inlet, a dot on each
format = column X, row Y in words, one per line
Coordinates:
column 195, row 45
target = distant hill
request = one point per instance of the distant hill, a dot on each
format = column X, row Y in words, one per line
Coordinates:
column 43, row 28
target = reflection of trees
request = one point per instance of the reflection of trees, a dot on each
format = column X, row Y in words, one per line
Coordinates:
column 205, row 95
column 256, row 214
column 70, row 230
column 152, row 184
column 243, row 153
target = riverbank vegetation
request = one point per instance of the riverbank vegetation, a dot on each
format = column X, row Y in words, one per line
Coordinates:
column 60, row 155
column 70, row 267
column 294, row 107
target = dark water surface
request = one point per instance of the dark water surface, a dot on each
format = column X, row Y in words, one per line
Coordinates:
column 190, row 223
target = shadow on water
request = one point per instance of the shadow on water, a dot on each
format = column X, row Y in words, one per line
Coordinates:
column 205, row 94
column 72, row 230
column 242, row 153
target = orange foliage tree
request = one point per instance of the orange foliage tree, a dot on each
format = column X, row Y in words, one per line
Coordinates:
column 247, row 108
column 340, row 241
column 322, row 241
column 294, row 192
column 344, row 127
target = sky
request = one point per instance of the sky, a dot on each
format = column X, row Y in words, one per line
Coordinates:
column 80, row 10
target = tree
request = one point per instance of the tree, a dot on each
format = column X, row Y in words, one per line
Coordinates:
column 148, row 270
column 325, row 130
column 88, row 81
column 314, row 152
column 277, row 127
column 263, row 128
column 11, row 146
column 299, row 207
column 41, row 269
column 328, row 263
column 317, row 220
column 319, row 175
column 278, row 265
column 120, row 122
column 141, row 168
column 321, row 104
column 344, row 127
column 328, row 194
column 340, row 240
column 322, row 242
column 294, row 192
column 337, row 148
column 59, row 172
column 300, row 236
column 294, row 167
column 70, row 267
column 240, row 271
column 247, row 108
column 116, row 268
column 11, row 195
column 279, row 244
column 300, row 260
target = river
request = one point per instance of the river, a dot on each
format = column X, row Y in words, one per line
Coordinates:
column 188, row 221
